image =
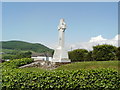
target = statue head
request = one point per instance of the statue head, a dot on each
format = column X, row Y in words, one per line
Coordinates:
column 62, row 24
column 62, row 20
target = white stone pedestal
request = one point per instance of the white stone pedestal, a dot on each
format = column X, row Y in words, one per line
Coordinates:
column 60, row 55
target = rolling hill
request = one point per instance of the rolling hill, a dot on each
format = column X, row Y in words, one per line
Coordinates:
column 25, row 46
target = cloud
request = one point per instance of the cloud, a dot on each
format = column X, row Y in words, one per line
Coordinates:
column 98, row 40
column 95, row 41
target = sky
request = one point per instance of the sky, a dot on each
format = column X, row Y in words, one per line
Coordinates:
column 88, row 23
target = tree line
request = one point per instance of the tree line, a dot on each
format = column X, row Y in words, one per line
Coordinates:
column 99, row 53
column 18, row 55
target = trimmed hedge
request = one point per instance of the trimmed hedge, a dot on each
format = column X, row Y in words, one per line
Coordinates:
column 88, row 79
column 16, row 63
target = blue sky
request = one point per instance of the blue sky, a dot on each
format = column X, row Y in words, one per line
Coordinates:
column 37, row 22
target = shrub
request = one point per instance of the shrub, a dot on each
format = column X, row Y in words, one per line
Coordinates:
column 118, row 53
column 12, row 64
column 17, row 79
column 78, row 55
column 19, row 55
column 87, row 79
column 104, row 52
column 88, row 56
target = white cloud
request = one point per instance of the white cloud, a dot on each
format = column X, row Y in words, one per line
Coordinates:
column 95, row 41
column 92, row 42
column 117, row 37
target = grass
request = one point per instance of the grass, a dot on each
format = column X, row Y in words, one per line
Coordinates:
column 80, row 65
column 90, row 65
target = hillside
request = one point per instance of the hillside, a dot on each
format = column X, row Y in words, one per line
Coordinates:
column 24, row 46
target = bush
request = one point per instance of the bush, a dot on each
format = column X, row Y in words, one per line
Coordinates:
column 12, row 64
column 20, row 55
column 17, row 79
column 118, row 53
column 24, row 55
column 104, row 52
column 78, row 55
column 88, row 56
column 87, row 79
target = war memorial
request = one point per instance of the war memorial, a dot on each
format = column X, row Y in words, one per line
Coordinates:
column 61, row 54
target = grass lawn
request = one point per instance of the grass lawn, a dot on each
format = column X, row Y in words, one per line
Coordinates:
column 90, row 65
column 80, row 65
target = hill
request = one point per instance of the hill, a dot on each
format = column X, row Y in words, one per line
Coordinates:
column 24, row 46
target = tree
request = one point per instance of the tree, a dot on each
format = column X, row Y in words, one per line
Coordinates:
column 89, row 57
column 104, row 52
column 23, row 55
column 17, row 56
column 118, row 53
column 78, row 55
column 8, row 56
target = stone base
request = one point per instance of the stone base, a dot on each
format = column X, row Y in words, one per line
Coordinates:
column 54, row 60
column 60, row 63
column 60, row 55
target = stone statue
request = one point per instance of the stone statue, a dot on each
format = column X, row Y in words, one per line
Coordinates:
column 60, row 54
column 62, row 25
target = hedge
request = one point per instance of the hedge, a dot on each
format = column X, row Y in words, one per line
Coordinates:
column 16, row 79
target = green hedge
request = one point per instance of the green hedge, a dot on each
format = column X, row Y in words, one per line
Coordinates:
column 102, row 78
column 16, row 63
column 16, row 79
